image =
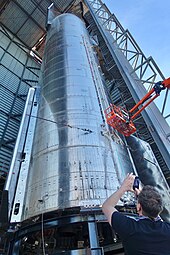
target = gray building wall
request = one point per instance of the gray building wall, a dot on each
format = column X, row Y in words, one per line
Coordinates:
column 18, row 72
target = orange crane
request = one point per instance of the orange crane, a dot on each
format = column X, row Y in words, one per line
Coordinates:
column 122, row 120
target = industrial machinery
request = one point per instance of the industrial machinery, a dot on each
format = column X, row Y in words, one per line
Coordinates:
column 67, row 159
column 122, row 120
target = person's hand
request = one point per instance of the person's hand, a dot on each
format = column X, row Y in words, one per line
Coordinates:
column 137, row 191
column 127, row 184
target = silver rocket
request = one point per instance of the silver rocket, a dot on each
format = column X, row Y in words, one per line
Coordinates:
column 75, row 160
column 72, row 159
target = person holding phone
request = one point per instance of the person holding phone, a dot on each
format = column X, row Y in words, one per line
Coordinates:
column 146, row 234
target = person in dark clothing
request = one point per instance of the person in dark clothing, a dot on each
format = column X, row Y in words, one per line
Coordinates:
column 147, row 234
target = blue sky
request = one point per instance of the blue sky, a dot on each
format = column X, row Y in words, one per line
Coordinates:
column 149, row 23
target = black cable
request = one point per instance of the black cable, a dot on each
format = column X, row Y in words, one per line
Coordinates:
column 66, row 125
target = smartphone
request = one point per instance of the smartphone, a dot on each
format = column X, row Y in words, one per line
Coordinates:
column 136, row 183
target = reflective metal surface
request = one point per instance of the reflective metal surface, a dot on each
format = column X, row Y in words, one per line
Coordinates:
column 149, row 171
column 25, row 157
column 75, row 159
column 12, row 180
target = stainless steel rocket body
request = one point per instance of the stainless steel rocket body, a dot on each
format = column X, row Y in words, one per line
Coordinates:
column 72, row 160
column 75, row 160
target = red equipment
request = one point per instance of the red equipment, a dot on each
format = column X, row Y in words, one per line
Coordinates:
column 122, row 120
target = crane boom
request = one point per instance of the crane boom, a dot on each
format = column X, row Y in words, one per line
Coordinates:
column 122, row 120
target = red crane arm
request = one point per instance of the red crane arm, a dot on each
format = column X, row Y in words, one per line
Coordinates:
column 152, row 94
column 122, row 121
column 166, row 83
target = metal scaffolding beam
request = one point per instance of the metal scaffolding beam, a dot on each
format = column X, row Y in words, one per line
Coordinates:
column 137, row 72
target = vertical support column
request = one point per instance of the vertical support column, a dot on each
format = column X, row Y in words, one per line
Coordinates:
column 93, row 236
column 20, row 189
column 15, row 249
column 12, row 179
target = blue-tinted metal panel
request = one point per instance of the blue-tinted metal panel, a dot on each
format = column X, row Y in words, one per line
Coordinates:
column 14, row 67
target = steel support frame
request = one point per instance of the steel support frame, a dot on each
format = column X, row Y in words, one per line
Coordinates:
column 146, row 69
column 156, row 123
column 12, row 180
column 29, row 16
column 24, row 65
column 23, row 47
column 15, row 97
column 12, row 38
column 89, row 218
column 25, row 143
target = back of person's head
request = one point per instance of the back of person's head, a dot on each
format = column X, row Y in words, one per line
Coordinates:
column 150, row 201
